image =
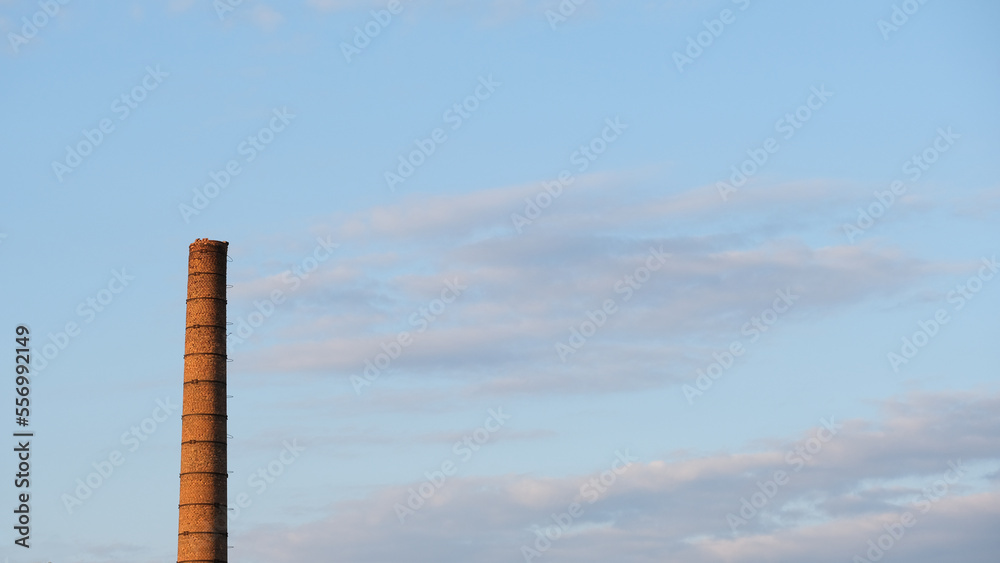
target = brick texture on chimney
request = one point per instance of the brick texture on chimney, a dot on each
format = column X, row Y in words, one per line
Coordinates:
column 202, row 528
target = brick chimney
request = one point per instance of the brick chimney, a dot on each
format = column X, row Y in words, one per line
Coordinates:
column 202, row 529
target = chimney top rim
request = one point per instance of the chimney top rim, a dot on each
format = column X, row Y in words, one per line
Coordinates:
column 209, row 242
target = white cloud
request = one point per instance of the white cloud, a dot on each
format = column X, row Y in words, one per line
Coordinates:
column 677, row 510
column 266, row 17
column 179, row 6
column 339, row 5
column 525, row 291
column 488, row 11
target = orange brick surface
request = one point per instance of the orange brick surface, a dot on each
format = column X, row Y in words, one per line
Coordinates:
column 202, row 530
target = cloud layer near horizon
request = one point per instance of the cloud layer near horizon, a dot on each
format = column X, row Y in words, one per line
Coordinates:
column 932, row 455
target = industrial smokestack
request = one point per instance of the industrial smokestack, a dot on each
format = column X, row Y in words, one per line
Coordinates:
column 202, row 529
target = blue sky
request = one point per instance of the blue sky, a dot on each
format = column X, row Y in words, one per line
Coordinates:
column 565, row 221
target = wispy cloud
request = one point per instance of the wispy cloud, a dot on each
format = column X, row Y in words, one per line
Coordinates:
column 864, row 477
column 527, row 290
column 489, row 11
column 265, row 17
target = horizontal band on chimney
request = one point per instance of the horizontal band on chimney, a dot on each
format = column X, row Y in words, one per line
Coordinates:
column 215, row 504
